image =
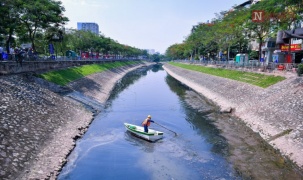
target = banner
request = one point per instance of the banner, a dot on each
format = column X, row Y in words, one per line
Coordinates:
column 293, row 47
column 51, row 49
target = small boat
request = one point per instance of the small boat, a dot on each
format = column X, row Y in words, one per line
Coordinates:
column 152, row 135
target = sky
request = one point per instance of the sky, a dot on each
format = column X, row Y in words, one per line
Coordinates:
column 145, row 24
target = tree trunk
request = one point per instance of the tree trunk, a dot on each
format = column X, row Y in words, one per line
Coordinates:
column 260, row 47
column 32, row 41
column 7, row 43
column 228, row 49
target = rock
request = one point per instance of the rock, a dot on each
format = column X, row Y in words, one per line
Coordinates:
column 226, row 110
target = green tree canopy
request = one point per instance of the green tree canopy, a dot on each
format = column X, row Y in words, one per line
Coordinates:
column 233, row 29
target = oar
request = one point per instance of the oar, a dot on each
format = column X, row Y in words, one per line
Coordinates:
column 166, row 128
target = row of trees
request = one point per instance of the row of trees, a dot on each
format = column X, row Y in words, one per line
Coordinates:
column 28, row 19
column 232, row 30
column 41, row 22
column 80, row 41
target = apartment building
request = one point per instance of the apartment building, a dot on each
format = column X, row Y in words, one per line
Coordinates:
column 88, row 26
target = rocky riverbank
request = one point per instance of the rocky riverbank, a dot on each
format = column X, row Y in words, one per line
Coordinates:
column 39, row 121
column 39, row 125
column 275, row 112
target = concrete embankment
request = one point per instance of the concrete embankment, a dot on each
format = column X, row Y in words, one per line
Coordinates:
column 39, row 125
column 276, row 112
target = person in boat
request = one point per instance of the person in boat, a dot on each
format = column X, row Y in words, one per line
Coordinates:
column 146, row 123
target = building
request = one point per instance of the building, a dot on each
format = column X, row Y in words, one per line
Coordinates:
column 151, row 51
column 87, row 26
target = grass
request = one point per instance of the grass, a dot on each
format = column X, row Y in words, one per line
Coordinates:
column 65, row 76
column 256, row 79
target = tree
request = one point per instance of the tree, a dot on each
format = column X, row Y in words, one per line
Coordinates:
column 41, row 21
column 4, row 12
column 37, row 15
column 266, row 27
column 88, row 41
column 235, row 28
column 176, row 51
column 9, row 20
column 155, row 57
column 282, row 13
column 231, row 30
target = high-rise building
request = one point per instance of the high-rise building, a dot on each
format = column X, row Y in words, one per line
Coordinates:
column 151, row 51
column 87, row 26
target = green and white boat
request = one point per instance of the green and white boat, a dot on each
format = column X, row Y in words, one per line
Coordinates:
column 138, row 131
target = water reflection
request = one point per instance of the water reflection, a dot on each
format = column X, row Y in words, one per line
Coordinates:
column 129, row 79
column 208, row 145
column 231, row 138
column 144, row 145
column 108, row 151
column 197, row 116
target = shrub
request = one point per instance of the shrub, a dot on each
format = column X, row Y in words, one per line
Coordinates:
column 197, row 58
column 254, row 55
column 300, row 69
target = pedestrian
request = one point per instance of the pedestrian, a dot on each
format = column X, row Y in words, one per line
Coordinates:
column 1, row 53
column 146, row 123
column 20, row 56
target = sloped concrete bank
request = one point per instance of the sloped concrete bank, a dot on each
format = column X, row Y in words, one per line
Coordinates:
column 39, row 125
column 276, row 113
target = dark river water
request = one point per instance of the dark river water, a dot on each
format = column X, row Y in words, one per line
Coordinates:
column 108, row 151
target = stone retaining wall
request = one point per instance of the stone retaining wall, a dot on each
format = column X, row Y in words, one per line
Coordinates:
column 38, row 127
column 276, row 112
column 12, row 67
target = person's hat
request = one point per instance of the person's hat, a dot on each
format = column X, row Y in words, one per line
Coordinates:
column 149, row 116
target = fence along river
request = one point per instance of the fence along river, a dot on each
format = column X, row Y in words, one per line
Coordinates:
column 198, row 151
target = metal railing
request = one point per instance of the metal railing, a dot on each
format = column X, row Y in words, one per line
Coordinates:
column 251, row 65
column 13, row 67
column 35, row 57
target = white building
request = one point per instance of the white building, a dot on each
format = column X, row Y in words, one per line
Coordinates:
column 151, row 51
column 87, row 26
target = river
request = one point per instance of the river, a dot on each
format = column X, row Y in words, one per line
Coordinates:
column 197, row 151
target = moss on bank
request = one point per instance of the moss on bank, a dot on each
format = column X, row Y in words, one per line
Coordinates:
column 65, row 76
column 256, row 79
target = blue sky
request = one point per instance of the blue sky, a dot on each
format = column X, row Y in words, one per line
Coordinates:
column 145, row 24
